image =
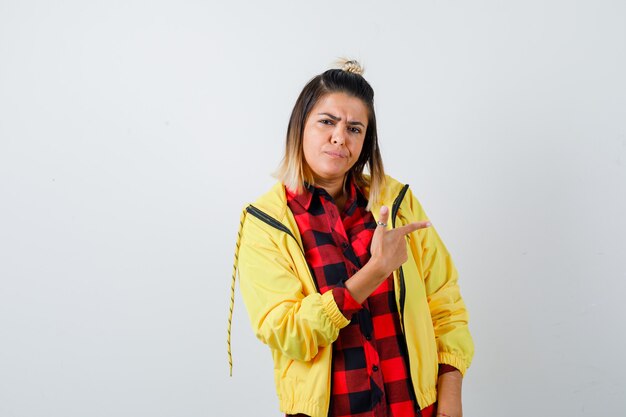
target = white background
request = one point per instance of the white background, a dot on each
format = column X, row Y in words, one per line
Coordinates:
column 133, row 132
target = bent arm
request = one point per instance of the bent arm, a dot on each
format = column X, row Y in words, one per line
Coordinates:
column 281, row 314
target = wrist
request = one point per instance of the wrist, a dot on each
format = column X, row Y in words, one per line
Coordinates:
column 449, row 387
column 364, row 282
column 376, row 269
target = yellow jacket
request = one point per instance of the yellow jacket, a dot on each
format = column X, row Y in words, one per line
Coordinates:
column 299, row 324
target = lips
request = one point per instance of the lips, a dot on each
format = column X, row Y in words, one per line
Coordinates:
column 336, row 154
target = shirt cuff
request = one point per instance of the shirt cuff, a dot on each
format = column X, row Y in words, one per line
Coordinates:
column 445, row 368
column 346, row 304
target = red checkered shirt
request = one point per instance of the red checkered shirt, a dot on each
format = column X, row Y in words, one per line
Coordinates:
column 370, row 375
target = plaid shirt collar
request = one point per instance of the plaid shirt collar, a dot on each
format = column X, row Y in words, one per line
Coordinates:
column 304, row 199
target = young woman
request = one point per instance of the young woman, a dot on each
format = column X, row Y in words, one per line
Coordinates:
column 344, row 277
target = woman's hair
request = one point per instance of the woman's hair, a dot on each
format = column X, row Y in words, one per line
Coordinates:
column 293, row 170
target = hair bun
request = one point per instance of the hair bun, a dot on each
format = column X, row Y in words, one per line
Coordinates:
column 350, row 65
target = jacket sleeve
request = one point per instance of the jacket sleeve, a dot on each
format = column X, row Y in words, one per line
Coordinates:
column 280, row 314
column 455, row 346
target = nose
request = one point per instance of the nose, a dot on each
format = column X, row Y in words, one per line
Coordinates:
column 338, row 137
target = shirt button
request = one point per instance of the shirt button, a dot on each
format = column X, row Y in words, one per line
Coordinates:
column 368, row 337
column 374, row 368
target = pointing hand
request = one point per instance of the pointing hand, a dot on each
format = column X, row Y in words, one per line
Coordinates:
column 388, row 247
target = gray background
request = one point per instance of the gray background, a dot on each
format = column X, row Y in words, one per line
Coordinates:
column 133, row 132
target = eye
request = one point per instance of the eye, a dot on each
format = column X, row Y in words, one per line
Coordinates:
column 327, row 122
column 355, row 130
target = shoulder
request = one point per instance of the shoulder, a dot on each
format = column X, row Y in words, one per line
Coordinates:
column 273, row 202
column 397, row 191
column 393, row 186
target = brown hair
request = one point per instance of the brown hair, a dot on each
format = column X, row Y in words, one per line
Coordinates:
column 294, row 172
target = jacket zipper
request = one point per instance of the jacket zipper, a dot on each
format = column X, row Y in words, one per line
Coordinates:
column 261, row 215
column 266, row 218
column 394, row 212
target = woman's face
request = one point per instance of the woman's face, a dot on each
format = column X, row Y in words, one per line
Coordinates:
column 334, row 133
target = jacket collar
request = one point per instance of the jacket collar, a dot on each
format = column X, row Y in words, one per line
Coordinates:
column 274, row 202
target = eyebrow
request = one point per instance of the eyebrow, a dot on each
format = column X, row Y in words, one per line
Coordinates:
column 337, row 119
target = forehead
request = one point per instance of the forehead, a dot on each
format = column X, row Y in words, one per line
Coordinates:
column 341, row 105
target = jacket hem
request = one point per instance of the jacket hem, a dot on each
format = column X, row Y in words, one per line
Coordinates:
column 426, row 399
column 308, row 408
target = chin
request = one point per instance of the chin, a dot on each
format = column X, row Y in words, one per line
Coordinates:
column 332, row 172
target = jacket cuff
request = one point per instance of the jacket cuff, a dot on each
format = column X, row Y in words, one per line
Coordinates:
column 444, row 368
column 453, row 360
column 345, row 302
column 332, row 311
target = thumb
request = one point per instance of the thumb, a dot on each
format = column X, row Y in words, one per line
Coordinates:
column 384, row 217
column 379, row 232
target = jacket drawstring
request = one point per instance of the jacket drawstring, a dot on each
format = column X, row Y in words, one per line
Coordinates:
column 232, row 291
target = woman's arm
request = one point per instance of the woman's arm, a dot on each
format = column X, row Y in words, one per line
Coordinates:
column 388, row 249
column 280, row 313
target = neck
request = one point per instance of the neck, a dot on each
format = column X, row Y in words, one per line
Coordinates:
column 335, row 188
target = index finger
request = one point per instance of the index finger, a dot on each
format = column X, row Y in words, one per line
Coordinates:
column 411, row 227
